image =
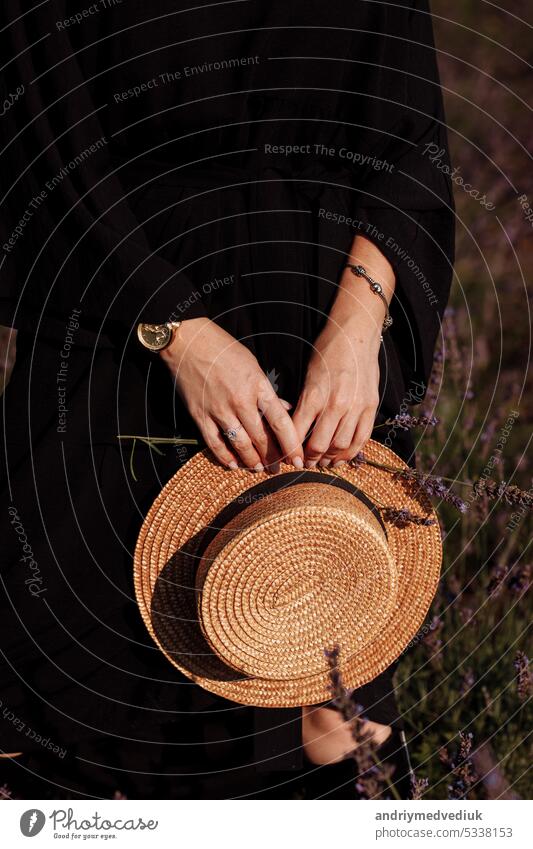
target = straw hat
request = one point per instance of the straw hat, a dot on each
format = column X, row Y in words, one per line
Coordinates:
column 243, row 579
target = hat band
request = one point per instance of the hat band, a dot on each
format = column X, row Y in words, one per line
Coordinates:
column 275, row 484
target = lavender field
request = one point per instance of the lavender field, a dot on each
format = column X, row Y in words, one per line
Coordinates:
column 468, row 672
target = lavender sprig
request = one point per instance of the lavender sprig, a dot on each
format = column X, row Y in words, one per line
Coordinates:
column 403, row 517
column 373, row 777
column 521, row 580
column 511, row 494
column 433, row 486
column 468, row 679
column 497, row 580
column 418, row 787
column 429, row 484
column 407, row 422
column 358, row 460
column 524, row 678
column 461, row 768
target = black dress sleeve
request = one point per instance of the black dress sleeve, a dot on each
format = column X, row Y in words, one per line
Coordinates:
column 68, row 232
column 405, row 202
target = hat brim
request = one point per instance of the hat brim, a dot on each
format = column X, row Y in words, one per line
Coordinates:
column 168, row 553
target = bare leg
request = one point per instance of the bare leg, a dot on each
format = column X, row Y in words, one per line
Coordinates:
column 326, row 736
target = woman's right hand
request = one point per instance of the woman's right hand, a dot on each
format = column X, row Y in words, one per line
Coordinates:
column 224, row 387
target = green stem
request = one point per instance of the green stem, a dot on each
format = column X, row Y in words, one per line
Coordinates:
column 134, row 443
column 163, row 440
column 152, row 442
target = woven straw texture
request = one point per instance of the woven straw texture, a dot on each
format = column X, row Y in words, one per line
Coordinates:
column 246, row 608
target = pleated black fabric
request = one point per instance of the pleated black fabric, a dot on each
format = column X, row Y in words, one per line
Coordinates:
column 159, row 136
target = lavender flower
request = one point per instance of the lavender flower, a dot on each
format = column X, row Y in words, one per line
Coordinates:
column 433, row 486
column 418, row 787
column 372, row 777
column 467, row 615
column 497, row 580
column 511, row 494
column 461, row 768
column 524, row 678
column 406, row 422
column 488, row 434
column 521, row 580
column 468, row 680
column 358, row 460
column 402, row 518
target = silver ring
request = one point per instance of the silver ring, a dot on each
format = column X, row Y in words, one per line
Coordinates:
column 232, row 432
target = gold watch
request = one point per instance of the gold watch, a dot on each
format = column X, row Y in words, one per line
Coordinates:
column 156, row 337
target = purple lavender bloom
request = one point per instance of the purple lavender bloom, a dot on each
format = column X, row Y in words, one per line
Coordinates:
column 358, row 460
column 403, row 517
column 418, row 787
column 461, row 767
column 524, row 678
column 407, row 422
column 519, row 582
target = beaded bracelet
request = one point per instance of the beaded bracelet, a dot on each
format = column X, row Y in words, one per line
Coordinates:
column 360, row 271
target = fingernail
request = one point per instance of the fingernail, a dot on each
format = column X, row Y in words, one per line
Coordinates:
column 339, row 463
column 324, row 463
column 297, row 462
column 258, row 468
column 233, row 465
column 310, row 464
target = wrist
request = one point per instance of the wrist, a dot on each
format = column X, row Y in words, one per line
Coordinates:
column 182, row 338
column 358, row 311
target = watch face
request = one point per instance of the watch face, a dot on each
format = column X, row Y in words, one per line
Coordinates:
column 154, row 336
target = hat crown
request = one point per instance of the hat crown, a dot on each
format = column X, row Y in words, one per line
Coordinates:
column 299, row 567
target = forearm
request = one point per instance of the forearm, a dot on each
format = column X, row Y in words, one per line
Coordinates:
column 356, row 305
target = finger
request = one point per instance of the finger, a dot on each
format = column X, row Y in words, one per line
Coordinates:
column 216, row 442
column 255, row 428
column 363, row 431
column 242, row 445
column 320, row 439
column 310, row 404
column 273, row 451
column 283, row 429
column 339, row 449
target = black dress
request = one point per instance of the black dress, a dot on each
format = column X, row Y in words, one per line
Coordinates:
column 163, row 162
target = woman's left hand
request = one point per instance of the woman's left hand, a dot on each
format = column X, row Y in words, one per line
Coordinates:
column 340, row 397
column 337, row 408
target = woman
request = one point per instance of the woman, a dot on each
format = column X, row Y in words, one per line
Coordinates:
column 219, row 166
